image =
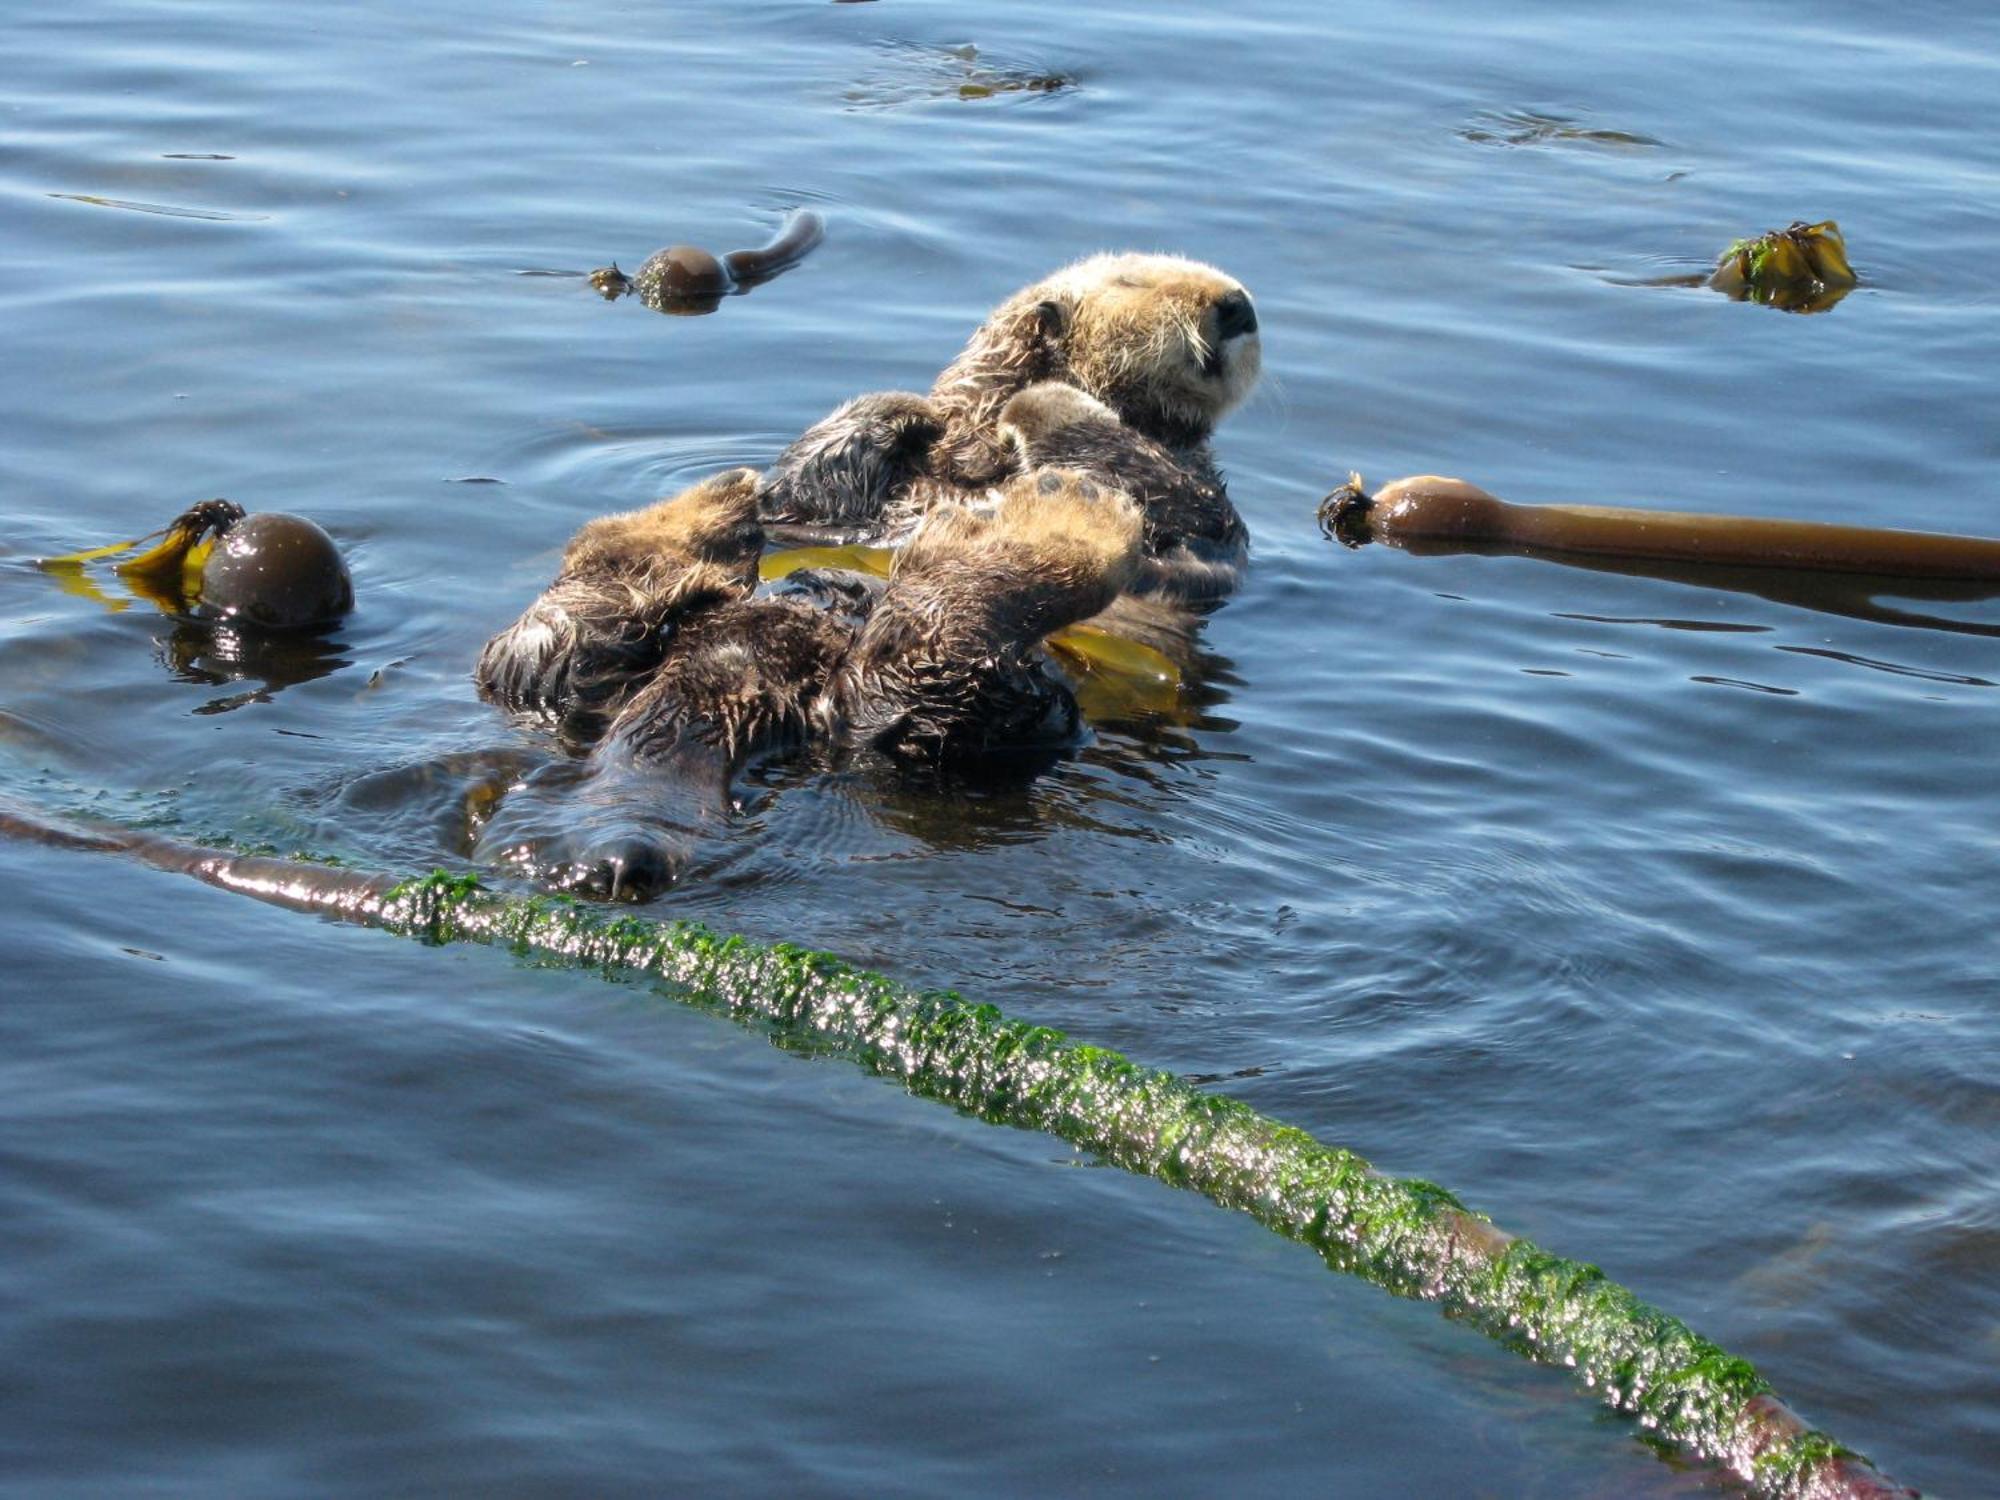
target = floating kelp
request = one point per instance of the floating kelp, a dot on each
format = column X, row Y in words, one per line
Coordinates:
column 1428, row 512
column 215, row 561
column 686, row 280
column 857, row 558
column 1801, row 268
column 1407, row 1236
column 960, row 72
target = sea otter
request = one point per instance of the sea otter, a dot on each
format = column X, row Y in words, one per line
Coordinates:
column 1167, row 346
column 943, row 665
column 626, row 581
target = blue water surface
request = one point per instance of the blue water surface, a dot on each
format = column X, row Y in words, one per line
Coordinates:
column 1651, row 914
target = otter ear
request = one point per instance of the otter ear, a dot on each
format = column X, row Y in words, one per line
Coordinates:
column 1051, row 319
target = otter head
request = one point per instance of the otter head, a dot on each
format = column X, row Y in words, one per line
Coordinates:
column 1171, row 345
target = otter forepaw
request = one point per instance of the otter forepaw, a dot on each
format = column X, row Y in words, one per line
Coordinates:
column 846, row 468
column 1036, row 413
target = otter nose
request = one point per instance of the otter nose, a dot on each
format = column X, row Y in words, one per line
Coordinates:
column 630, row 868
column 1234, row 314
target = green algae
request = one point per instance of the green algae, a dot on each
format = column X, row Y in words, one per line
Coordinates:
column 1408, row 1236
column 1687, row 1396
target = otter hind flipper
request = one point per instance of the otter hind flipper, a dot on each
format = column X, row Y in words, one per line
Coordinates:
column 949, row 665
column 572, row 656
column 836, row 479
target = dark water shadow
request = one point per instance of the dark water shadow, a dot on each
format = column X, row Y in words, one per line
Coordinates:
column 1527, row 127
column 1129, row 762
column 1858, row 596
column 218, row 653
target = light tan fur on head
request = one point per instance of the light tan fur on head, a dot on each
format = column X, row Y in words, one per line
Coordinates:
column 1145, row 337
column 708, row 535
column 1170, row 345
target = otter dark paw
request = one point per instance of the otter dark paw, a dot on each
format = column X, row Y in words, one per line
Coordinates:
column 841, row 474
column 1075, row 526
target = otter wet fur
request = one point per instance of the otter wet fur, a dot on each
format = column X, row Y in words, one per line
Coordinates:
column 739, row 680
column 942, row 665
column 1168, row 345
column 603, row 625
column 949, row 665
column 1196, row 547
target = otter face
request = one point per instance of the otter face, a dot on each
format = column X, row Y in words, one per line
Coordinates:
column 1171, row 345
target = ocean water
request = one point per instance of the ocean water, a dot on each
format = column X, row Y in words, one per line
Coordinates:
column 1652, row 914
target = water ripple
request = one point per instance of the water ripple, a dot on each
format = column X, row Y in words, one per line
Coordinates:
column 171, row 210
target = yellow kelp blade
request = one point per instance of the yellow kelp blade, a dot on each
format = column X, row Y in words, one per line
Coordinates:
column 167, row 561
column 876, row 561
column 1116, row 677
column 1784, row 262
column 171, row 587
column 72, row 580
column 166, row 575
column 1827, row 250
column 73, row 560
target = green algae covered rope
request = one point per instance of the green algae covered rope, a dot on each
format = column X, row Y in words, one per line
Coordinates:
column 1405, row 1235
